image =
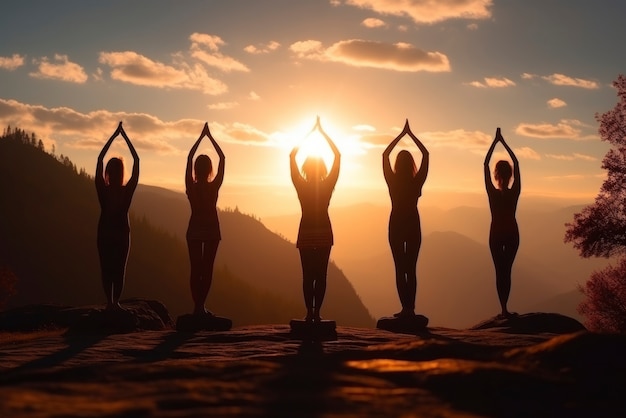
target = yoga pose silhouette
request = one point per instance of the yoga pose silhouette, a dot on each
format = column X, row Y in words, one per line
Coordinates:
column 315, row 235
column 405, row 236
column 203, row 232
column 113, row 227
column 503, row 233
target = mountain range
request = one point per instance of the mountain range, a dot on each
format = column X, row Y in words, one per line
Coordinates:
column 49, row 212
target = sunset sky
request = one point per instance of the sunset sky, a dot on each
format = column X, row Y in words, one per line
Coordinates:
column 259, row 72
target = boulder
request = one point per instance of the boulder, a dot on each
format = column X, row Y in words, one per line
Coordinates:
column 323, row 330
column 414, row 324
column 138, row 315
column 532, row 323
column 194, row 323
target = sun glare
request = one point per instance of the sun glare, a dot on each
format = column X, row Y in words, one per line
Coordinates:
column 313, row 144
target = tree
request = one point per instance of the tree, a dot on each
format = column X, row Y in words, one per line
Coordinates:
column 605, row 303
column 8, row 283
column 600, row 229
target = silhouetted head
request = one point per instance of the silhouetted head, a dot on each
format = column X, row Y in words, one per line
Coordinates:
column 114, row 172
column 405, row 165
column 314, row 169
column 203, row 168
column 503, row 173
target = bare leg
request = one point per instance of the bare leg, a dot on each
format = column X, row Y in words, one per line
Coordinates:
column 503, row 254
column 322, row 256
column 306, row 260
column 195, row 278
column 209, row 252
column 399, row 255
column 410, row 268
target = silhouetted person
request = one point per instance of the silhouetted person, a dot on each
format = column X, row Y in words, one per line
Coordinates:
column 405, row 183
column 503, row 233
column 315, row 236
column 203, row 232
column 113, row 226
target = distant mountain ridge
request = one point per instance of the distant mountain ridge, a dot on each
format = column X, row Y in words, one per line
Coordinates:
column 455, row 253
column 48, row 223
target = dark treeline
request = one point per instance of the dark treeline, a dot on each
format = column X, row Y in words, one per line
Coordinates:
column 48, row 217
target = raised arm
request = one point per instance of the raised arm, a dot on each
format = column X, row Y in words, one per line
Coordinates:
column 387, row 171
column 296, row 176
column 192, row 152
column 517, row 181
column 333, row 175
column 100, row 164
column 134, row 177
column 488, row 182
column 219, row 176
column 423, row 171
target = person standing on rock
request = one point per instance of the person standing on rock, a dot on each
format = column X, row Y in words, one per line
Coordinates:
column 314, row 186
column 113, row 227
column 203, row 232
column 503, row 233
column 405, row 184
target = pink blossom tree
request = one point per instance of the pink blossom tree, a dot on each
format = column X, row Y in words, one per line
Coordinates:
column 600, row 229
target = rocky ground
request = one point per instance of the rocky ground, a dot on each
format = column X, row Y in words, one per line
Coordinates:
column 499, row 369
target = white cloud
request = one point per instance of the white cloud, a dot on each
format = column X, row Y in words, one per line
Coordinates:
column 364, row 128
column 361, row 53
column 206, row 48
column 262, row 48
column 493, row 82
column 565, row 129
column 11, row 63
column 555, row 103
column 428, row 11
column 563, row 80
column 474, row 141
column 253, row 96
column 78, row 130
column 572, row 157
column 133, row 68
column 223, row 105
column 527, row 153
column 372, row 22
column 60, row 69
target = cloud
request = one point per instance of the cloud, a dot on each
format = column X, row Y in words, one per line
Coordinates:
column 11, row 63
column 364, row 128
column 61, row 69
column 563, row 80
column 310, row 49
column 566, row 177
column 253, row 96
column 428, row 11
column 493, row 82
column 565, row 129
column 459, row 138
column 223, row 105
column 372, row 22
column 133, row 68
column 80, row 130
column 241, row 132
column 527, row 153
column 262, row 48
column 556, row 103
column 361, row 53
column 206, row 48
column 572, row 157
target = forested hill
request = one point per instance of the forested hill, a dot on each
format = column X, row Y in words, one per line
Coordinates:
column 48, row 217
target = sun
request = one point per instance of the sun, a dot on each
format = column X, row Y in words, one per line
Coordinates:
column 313, row 144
